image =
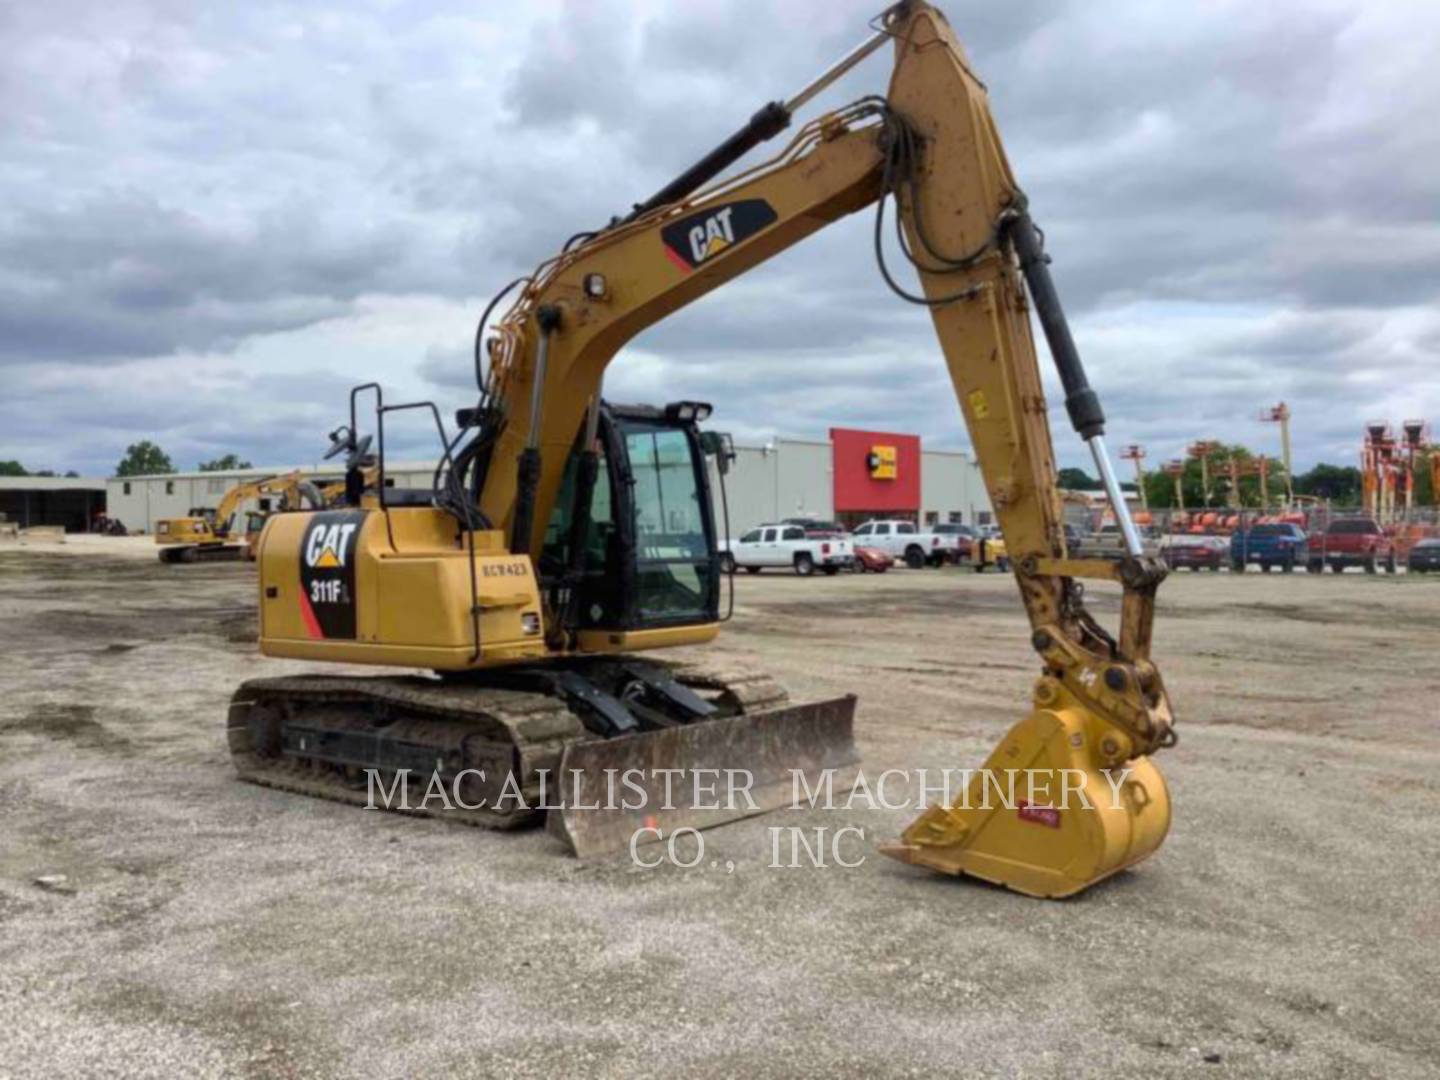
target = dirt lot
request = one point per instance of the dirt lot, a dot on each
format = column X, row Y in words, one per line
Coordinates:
column 208, row 927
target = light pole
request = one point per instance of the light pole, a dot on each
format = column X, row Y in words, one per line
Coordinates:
column 1280, row 414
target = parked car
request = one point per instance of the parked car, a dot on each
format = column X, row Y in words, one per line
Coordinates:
column 1424, row 556
column 1108, row 542
column 1356, row 541
column 786, row 546
column 870, row 560
column 962, row 546
column 1270, row 545
column 904, row 540
column 1194, row 552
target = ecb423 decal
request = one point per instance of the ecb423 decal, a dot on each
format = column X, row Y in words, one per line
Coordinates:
column 327, row 573
column 693, row 240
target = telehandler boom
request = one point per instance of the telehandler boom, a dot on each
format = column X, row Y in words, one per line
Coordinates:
column 566, row 535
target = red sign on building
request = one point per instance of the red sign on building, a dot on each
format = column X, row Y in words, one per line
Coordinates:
column 875, row 472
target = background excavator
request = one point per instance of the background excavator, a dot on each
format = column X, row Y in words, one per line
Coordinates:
column 215, row 535
column 566, row 537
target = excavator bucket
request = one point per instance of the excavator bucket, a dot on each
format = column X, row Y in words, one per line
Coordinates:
column 1045, row 817
column 641, row 788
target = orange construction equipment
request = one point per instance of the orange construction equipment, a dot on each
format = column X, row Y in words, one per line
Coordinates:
column 1379, row 471
column 1416, row 440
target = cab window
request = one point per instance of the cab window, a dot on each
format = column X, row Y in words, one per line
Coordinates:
column 863, row 530
column 751, row 537
column 555, row 554
column 793, row 533
column 905, row 529
column 882, row 530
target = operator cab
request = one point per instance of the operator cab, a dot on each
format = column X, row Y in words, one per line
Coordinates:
column 650, row 557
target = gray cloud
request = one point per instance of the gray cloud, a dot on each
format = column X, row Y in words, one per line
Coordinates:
column 214, row 218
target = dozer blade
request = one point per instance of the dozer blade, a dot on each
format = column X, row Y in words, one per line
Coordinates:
column 1074, row 824
column 698, row 775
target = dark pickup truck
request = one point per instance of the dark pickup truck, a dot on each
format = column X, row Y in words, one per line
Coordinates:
column 1357, row 541
column 1269, row 545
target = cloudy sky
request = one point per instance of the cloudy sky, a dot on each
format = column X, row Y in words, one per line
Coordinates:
column 214, row 218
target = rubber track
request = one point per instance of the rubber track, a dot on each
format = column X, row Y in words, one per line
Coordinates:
column 193, row 553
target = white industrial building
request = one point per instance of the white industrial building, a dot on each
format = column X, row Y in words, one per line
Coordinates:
column 141, row 501
column 796, row 478
column 783, row 478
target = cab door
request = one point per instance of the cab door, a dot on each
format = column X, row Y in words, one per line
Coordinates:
column 769, row 549
column 650, row 557
column 745, row 550
column 660, row 488
column 882, row 537
column 792, row 539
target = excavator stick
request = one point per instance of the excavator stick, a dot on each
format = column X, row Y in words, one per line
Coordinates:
column 1070, row 795
column 642, row 788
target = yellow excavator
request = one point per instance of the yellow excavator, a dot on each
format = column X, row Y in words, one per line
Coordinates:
column 217, row 535
column 567, row 538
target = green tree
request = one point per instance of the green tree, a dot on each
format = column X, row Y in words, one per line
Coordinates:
column 1424, row 486
column 12, row 468
column 144, row 459
column 1338, row 483
column 224, row 464
column 1160, row 488
column 1077, row 480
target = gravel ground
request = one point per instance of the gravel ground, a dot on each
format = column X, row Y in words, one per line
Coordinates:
column 159, row 918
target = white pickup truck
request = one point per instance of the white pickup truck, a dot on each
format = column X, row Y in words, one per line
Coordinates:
column 905, row 540
column 787, row 546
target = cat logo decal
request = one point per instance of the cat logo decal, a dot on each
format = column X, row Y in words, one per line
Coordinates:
column 700, row 237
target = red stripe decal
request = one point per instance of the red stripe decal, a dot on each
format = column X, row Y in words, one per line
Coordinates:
column 1043, row 815
column 312, row 624
column 676, row 259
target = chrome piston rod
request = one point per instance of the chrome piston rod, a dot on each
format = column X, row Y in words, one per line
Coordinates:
column 1118, row 505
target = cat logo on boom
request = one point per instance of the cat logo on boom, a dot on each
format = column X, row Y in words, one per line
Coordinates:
column 693, row 240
